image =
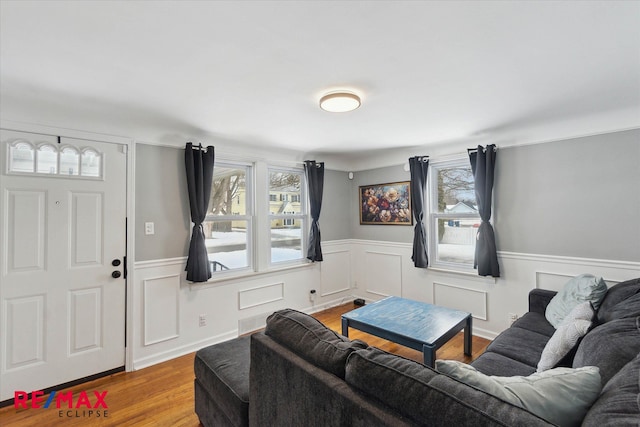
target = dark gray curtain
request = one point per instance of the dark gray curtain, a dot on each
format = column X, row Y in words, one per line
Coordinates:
column 315, row 180
column 199, row 165
column 483, row 162
column 418, row 167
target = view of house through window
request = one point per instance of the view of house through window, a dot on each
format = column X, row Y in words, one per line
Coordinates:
column 287, row 214
column 454, row 218
column 227, row 227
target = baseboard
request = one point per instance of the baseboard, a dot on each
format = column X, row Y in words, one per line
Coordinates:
column 164, row 356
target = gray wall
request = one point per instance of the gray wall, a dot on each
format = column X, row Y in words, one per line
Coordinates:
column 161, row 198
column 387, row 233
column 579, row 197
column 336, row 200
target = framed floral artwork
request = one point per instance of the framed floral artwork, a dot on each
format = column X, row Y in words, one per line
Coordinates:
column 386, row 204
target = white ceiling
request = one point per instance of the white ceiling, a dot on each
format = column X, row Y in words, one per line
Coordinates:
column 250, row 72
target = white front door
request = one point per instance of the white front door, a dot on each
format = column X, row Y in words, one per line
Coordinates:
column 62, row 242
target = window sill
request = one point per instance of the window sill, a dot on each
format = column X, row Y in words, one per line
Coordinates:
column 473, row 274
column 229, row 278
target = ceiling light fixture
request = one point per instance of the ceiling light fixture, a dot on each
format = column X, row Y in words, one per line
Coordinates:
column 339, row 102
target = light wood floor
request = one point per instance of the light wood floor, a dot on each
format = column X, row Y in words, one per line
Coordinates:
column 162, row 395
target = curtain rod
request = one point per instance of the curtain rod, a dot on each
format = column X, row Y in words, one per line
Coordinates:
column 199, row 147
column 484, row 149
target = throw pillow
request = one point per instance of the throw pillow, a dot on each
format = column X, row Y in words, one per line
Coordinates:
column 570, row 330
column 561, row 395
column 585, row 287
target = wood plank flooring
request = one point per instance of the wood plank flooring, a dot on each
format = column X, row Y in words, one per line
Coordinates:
column 162, row 395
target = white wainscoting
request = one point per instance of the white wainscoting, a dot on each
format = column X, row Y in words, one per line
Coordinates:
column 351, row 269
column 490, row 301
column 383, row 273
column 336, row 272
column 161, row 308
column 260, row 295
column 462, row 298
column 166, row 308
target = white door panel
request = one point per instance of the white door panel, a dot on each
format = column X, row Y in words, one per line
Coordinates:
column 62, row 314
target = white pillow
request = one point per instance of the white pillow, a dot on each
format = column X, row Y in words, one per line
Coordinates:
column 585, row 287
column 569, row 331
column 561, row 395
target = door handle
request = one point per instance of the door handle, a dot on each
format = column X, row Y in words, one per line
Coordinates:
column 116, row 274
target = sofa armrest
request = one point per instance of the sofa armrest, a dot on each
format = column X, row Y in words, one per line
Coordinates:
column 539, row 299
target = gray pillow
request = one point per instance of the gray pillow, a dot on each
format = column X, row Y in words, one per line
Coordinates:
column 585, row 287
column 311, row 340
column 570, row 330
column 609, row 347
column 561, row 395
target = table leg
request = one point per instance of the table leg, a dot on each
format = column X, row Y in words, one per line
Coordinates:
column 467, row 336
column 345, row 327
column 429, row 353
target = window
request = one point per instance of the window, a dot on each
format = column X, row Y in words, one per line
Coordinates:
column 287, row 218
column 453, row 214
column 65, row 160
column 229, row 218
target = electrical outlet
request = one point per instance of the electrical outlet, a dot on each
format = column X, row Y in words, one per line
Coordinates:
column 312, row 295
column 512, row 318
column 149, row 228
column 202, row 320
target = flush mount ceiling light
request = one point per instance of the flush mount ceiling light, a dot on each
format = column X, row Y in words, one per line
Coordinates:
column 339, row 102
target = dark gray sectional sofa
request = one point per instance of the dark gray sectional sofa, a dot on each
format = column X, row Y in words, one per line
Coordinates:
column 303, row 374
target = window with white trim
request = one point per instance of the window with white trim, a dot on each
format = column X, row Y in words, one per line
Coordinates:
column 229, row 222
column 453, row 215
column 287, row 214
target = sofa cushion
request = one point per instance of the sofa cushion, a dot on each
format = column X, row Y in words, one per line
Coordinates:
column 427, row 397
column 570, row 330
column 520, row 344
column 585, row 287
column 609, row 347
column 615, row 295
column 560, row 395
column 491, row 363
column 311, row 340
column 618, row 404
column 535, row 322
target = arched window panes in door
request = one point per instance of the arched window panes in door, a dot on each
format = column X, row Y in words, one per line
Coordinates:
column 65, row 160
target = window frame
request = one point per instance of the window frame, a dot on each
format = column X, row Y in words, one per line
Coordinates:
column 303, row 216
column 432, row 215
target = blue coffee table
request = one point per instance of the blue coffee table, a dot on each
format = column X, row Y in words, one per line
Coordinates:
column 414, row 324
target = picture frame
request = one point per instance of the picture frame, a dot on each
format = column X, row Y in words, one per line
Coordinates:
column 386, row 204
